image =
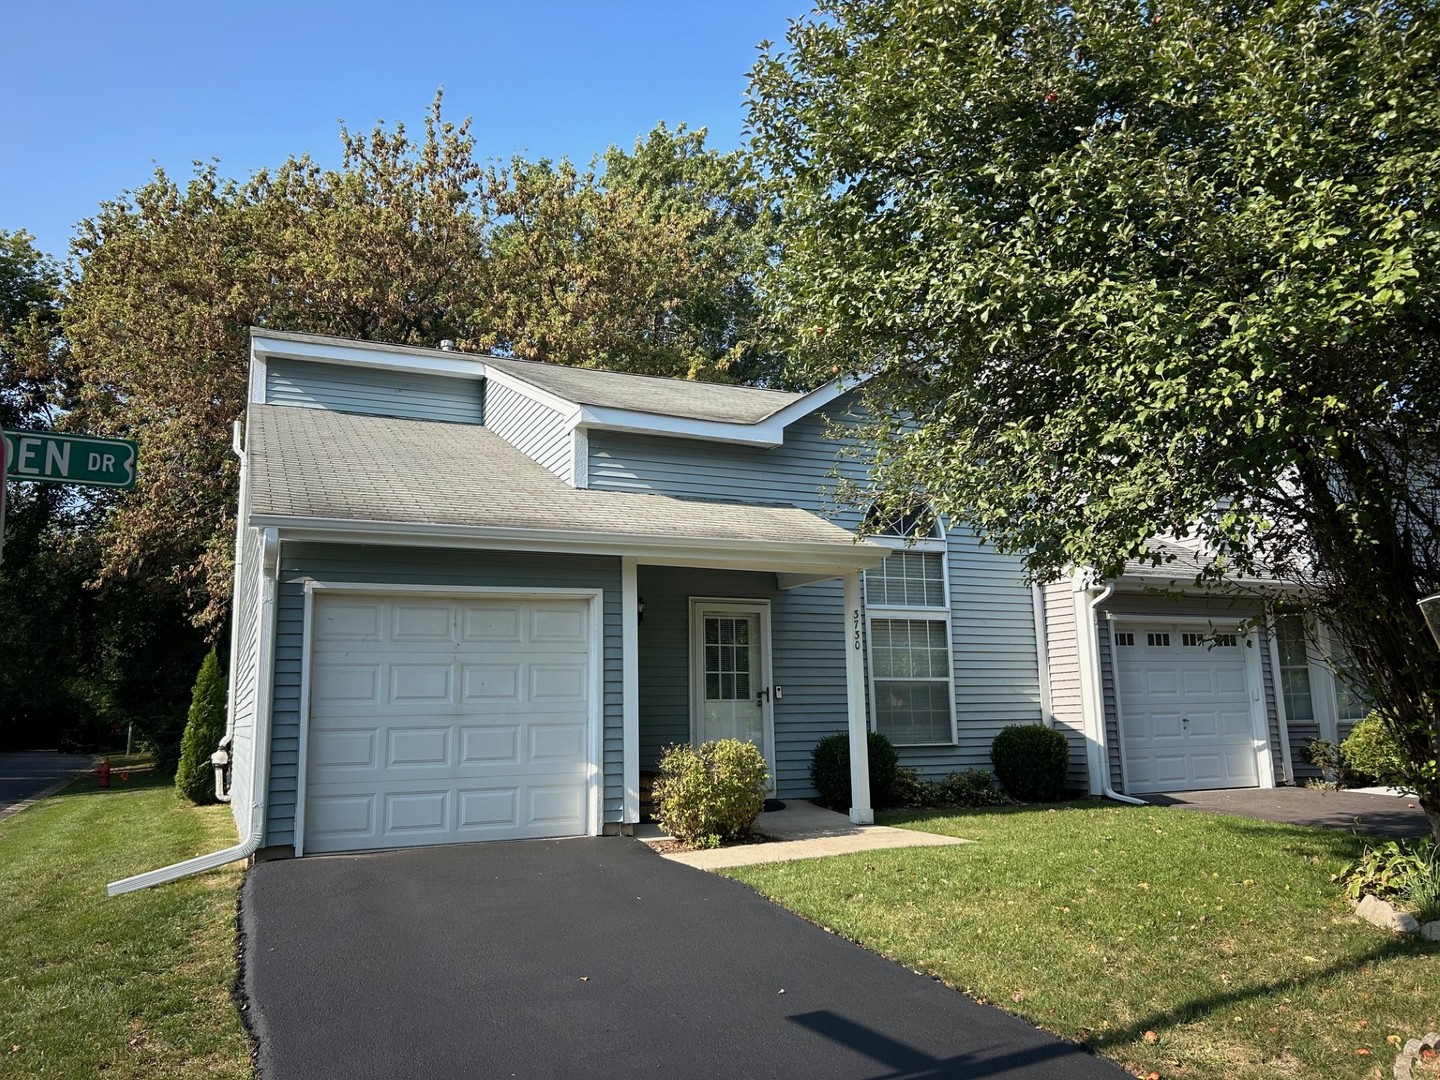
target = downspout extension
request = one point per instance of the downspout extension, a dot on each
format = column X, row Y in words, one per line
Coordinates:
column 260, row 767
column 1098, row 687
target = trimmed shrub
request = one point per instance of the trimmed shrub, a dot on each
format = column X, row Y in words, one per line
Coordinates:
column 1031, row 760
column 194, row 778
column 971, row 788
column 830, row 771
column 709, row 793
column 1371, row 749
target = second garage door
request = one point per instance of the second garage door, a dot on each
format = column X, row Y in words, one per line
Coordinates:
column 438, row 720
column 1184, row 708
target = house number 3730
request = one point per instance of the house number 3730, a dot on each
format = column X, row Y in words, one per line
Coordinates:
column 855, row 626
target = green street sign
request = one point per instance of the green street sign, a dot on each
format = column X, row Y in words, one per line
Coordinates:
column 51, row 457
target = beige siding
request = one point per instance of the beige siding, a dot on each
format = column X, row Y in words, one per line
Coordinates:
column 1066, row 703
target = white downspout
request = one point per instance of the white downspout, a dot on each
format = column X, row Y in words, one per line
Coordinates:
column 1093, row 691
column 260, row 767
column 1042, row 652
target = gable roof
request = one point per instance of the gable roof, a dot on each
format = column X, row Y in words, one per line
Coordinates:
column 313, row 468
column 598, row 399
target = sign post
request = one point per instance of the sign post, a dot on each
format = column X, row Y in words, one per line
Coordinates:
column 53, row 457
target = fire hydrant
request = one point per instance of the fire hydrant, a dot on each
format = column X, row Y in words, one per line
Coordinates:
column 103, row 772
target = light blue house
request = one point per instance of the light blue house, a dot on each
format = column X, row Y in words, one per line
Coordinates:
column 476, row 596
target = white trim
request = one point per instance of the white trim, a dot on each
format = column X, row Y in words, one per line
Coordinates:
column 1259, row 719
column 630, row 687
column 237, row 575
column 1281, row 716
column 831, row 559
column 861, row 812
column 595, row 657
column 579, row 457
column 704, row 605
column 1042, row 655
column 938, row 613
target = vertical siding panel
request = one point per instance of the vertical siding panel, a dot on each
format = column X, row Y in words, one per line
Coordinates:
column 417, row 566
column 374, row 391
column 1066, row 702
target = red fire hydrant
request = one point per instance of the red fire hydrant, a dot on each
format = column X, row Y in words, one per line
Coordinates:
column 103, row 772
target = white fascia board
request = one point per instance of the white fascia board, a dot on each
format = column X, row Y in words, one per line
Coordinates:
column 769, row 432
column 800, row 558
column 368, row 354
column 1216, row 591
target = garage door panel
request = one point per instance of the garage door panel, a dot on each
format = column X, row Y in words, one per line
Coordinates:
column 432, row 623
column 1185, row 712
column 452, row 725
column 349, row 747
column 490, row 683
column 497, row 744
column 494, row 623
column 421, row 684
column 412, row 747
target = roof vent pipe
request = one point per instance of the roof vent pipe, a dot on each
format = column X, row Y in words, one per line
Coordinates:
column 447, row 345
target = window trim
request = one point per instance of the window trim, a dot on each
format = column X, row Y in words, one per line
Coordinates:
column 937, row 613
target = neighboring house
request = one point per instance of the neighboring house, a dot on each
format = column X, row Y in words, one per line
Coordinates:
column 476, row 597
column 1176, row 687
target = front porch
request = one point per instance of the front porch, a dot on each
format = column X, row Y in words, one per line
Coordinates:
column 762, row 655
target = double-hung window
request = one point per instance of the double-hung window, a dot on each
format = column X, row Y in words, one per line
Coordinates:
column 907, row 608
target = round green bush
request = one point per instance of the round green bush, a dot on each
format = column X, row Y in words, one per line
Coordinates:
column 830, row 770
column 710, row 793
column 1031, row 760
column 1372, row 750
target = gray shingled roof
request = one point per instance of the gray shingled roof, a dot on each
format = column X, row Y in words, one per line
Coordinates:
column 648, row 393
column 603, row 389
column 1182, row 564
column 313, row 463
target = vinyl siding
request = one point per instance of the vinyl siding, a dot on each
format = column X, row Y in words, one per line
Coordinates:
column 992, row 615
column 245, row 699
column 415, row 566
column 1066, row 703
column 375, row 392
column 536, row 430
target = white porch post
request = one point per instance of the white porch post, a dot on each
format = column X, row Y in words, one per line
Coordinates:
column 861, row 812
column 630, row 687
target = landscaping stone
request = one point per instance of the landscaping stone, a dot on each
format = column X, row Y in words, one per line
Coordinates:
column 1374, row 910
column 1415, row 1050
column 1431, row 930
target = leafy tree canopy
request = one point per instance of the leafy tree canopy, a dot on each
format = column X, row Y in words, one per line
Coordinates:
column 644, row 266
column 1123, row 269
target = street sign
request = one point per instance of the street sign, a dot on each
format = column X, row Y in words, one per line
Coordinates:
column 53, row 457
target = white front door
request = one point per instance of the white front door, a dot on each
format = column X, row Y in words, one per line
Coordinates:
column 1185, row 708
column 730, row 673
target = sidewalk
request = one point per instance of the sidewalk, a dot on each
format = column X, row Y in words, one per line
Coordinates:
column 802, row 831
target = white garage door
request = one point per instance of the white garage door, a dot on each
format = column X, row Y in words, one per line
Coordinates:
column 437, row 721
column 1184, row 708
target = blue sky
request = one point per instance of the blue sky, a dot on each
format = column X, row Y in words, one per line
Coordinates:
column 102, row 93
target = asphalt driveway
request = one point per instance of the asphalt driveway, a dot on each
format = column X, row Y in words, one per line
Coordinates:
column 593, row 958
column 1348, row 811
column 28, row 775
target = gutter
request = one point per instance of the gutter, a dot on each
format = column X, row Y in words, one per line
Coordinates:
column 260, row 767
column 1092, row 689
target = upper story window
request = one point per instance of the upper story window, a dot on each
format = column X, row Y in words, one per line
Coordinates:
column 907, row 607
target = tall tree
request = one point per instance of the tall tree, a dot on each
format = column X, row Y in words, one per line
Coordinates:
column 169, row 278
column 1121, row 269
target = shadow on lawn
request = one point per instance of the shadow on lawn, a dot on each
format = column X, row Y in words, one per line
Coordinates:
column 1202, row 1007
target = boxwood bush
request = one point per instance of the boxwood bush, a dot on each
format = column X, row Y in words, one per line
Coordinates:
column 710, row 793
column 830, row 770
column 1031, row 760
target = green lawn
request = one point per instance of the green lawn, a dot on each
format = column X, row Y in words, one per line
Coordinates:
column 135, row 986
column 1188, row 944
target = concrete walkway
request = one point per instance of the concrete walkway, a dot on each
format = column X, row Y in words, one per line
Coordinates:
column 1352, row 811
column 806, row 831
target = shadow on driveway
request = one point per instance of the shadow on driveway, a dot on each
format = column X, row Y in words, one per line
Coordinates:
column 1379, row 815
column 591, row 958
